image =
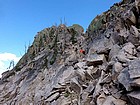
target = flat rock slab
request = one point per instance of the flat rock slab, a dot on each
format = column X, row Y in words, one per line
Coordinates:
column 134, row 97
column 66, row 75
column 95, row 59
column 135, row 83
column 80, row 64
column 134, row 69
column 124, row 79
column 53, row 97
column 114, row 51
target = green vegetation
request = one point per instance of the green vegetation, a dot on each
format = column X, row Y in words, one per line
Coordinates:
column 74, row 33
column 54, row 47
column 51, row 33
column 46, row 62
column 77, row 27
column 97, row 23
column 66, row 94
column 54, row 42
column 17, row 68
column 40, row 42
column 53, row 59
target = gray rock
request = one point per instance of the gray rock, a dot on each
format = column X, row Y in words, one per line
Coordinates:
column 66, row 75
column 90, row 87
column 138, row 48
column 96, row 73
column 127, row 53
column 76, row 86
column 134, row 97
column 124, row 79
column 109, row 100
column 105, row 90
column 117, row 67
column 119, row 102
column 85, row 98
column 134, row 69
column 101, row 99
column 81, row 64
column 101, row 46
column 134, row 31
column 88, row 74
column 134, row 36
column 114, row 51
column 106, row 80
column 137, row 4
column 130, row 17
column 98, row 86
column 96, row 59
column 53, row 97
column 135, row 82
column 129, row 48
column 81, row 74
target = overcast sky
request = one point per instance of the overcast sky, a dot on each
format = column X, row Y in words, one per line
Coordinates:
column 20, row 20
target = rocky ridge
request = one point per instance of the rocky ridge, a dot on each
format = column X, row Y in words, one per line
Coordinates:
column 55, row 72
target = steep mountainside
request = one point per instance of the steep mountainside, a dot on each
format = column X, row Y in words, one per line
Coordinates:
column 65, row 66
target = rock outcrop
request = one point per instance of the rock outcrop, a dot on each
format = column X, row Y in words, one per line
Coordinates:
column 65, row 66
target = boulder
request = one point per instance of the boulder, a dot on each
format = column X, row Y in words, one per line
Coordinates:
column 123, row 35
column 134, row 69
column 117, row 67
column 101, row 46
column 134, row 36
column 129, row 48
column 134, row 97
column 96, row 59
column 66, row 75
column 127, row 53
column 90, row 87
column 130, row 18
column 75, row 86
column 114, row 51
column 124, row 79
column 135, row 31
column 109, row 100
column 80, row 64
column 85, row 98
column 119, row 102
column 134, row 72
column 135, row 82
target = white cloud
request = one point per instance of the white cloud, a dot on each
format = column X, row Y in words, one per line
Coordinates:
column 8, row 57
column 5, row 59
column 1, row 65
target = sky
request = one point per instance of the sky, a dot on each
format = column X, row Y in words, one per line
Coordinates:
column 20, row 20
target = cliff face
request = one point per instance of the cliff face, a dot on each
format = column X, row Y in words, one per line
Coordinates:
column 65, row 66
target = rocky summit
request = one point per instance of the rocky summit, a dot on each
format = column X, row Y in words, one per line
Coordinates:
column 67, row 66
